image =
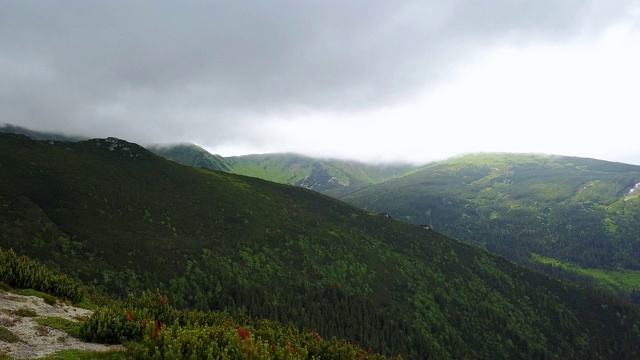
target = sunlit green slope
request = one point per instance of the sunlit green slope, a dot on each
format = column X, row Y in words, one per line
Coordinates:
column 583, row 211
column 330, row 176
column 192, row 155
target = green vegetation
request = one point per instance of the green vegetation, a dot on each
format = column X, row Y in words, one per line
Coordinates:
column 192, row 155
column 48, row 299
column 576, row 210
column 70, row 327
column 152, row 329
column 7, row 336
column 87, row 355
column 155, row 330
column 25, row 273
column 26, row 312
column 627, row 280
column 124, row 220
column 329, row 176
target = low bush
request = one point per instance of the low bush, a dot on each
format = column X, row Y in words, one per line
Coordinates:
column 25, row 312
column 7, row 336
column 25, row 273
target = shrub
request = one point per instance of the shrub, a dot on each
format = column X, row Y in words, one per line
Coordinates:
column 25, row 312
column 111, row 325
column 8, row 336
column 5, row 287
column 49, row 299
column 25, row 273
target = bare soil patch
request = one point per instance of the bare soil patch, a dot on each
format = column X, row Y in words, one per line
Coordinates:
column 38, row 340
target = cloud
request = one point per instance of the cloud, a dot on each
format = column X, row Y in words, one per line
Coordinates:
column 158, row 71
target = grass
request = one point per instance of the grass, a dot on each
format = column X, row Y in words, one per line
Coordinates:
column 26, row 312
column 70, row 327
column 86, row 304
column 620, row 279
column 81, row 355
column 48, row 299
column 7, row 336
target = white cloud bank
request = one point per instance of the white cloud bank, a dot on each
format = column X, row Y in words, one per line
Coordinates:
column 372, row 80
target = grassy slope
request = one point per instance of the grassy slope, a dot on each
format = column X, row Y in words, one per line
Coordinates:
column 330, row 176
column 627, row 280
column 192, row 155
column 113, row 214
column 573, row 209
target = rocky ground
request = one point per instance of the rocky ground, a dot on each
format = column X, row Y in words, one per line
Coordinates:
column 37, row 340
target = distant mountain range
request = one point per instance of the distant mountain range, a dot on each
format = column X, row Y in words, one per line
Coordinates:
column 125, row 220
column 330, row 176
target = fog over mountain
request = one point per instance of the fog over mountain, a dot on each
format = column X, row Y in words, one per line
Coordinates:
column 373, row 81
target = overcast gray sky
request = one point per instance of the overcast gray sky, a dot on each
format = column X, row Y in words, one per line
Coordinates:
column 370, row 80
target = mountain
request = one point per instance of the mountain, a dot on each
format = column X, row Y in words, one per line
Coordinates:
column 572, row 210
column 329, row 176
column 38, row 135
column 192, row 155
column 123, row 219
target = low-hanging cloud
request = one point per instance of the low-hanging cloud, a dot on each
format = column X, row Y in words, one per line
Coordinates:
column 157, row 71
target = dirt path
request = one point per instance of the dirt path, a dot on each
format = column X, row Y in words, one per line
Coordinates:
column 39, row 341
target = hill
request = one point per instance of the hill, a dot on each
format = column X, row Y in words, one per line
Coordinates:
column 329, row 176
column 38, row 135
column 192, row 155
column 577, row 211
column 117, row 216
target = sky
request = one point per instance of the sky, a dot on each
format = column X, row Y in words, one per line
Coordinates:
column 375, row 81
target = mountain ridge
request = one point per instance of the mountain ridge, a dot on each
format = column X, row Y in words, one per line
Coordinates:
column 330, row 176
column 573, row 209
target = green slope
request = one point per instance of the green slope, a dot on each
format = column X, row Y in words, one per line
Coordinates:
column 577, row 210
column 330, row 176
column 117, row 216
column 192, row 155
